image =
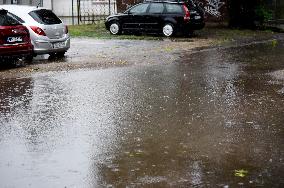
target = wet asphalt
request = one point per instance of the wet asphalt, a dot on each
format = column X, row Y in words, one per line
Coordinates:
column 212, row 118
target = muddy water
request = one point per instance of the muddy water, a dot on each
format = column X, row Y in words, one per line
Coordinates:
column 211, row 119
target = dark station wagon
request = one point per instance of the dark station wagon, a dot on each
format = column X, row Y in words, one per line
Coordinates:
column 158, row 16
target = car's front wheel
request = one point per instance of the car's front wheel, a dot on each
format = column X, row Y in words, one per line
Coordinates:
column 168, row 30
column 114, row 28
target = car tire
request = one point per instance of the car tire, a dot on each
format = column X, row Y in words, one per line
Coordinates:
column 19, row 62
column 191, row 33
column 28, row 59
column 168, row 30
column 114, row 28
column 60, row 54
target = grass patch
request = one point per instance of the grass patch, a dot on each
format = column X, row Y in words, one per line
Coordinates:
column 221, row 34
column 98, row 30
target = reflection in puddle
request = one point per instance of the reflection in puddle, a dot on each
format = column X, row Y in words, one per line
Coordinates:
column 190, row 123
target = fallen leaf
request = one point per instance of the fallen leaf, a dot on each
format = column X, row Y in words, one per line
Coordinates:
column 241, row 173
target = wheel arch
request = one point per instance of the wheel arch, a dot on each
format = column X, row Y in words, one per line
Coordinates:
column 170, row 20
column 111, row 20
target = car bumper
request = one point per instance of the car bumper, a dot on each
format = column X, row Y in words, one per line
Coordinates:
column 51, row 46
column 107, row 25
column 16, row 50
column 195, row 25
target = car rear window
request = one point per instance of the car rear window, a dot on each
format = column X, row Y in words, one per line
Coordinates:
column 46, row 17
column 7, row 20
column 174, row 8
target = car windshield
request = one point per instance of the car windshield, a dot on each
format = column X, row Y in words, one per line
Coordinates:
column 7, row 20
column 46, row 17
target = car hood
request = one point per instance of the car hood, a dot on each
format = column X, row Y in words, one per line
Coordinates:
column 116, row 15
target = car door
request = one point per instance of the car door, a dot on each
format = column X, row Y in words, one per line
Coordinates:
column 135, row 19
column 154, row 18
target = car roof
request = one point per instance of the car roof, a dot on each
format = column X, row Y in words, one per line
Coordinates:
column 20, row 8
column 22, row 11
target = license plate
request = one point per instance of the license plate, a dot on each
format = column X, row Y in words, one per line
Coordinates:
column 59, row 45
column 14, row 39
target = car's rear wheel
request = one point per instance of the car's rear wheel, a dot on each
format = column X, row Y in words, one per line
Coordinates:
column 19, row 62
column 28, row 59
column 60, row 54
column 168, row 30
column 114, row 28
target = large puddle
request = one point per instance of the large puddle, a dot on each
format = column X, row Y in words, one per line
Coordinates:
column 212, row 119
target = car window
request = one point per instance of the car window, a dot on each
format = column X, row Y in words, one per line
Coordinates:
column 6, row 20
column 16, row 17
column 156, row 8
column 174, row 8
column 44, row 16
column 139, row 9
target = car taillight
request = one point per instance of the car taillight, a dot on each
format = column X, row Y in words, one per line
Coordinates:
column 66, row 29
column 1, row 37
column 187, row 14
column 38, row 30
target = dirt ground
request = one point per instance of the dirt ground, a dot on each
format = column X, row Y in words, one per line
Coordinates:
column 102, row 53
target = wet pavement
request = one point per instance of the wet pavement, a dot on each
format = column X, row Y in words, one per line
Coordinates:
column 94, row 53
column 213, row 118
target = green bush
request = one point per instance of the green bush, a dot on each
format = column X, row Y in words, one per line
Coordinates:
column 263, row 14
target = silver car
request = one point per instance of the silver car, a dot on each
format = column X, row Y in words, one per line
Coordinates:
column 48, row 33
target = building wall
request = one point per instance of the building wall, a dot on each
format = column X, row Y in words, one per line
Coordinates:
column 215, row 10
column 122, row 5
column 47, row 4
column 21, row 2
column 63, row 8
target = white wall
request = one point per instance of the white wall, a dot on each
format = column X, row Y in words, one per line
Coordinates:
column 64, row 7
column 47, row 4
column 24, row 2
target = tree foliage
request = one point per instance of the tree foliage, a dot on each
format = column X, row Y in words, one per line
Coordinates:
column 246, row 13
